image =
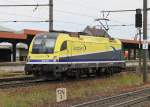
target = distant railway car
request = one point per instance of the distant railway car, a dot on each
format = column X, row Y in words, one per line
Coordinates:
column 56, row 55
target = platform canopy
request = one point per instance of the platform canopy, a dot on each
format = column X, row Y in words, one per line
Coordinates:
column 5, row 45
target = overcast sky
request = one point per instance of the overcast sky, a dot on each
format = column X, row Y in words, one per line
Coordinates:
column 73, row 15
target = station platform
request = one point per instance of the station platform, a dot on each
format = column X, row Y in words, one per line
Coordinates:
column 12, row 66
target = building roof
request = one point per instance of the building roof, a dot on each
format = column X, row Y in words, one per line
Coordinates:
column 32, row 32
column 10, row 35
column 7, row 33
column 129, row 41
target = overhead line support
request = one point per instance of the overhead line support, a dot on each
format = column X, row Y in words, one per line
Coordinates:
column 115, row 11
column 145, row 51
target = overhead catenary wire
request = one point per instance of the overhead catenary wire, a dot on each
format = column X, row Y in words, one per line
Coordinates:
column 62, row 11
column 23, row 5
column 40, row 21
column 74, row 13
column 30, row 17
column 36, row 5
column 9, row 13
column 115, row 25
column 68, row 12
column 115, row 11
column 59, row 21
column 18, row 14
column 118, row 11
column 24, row 21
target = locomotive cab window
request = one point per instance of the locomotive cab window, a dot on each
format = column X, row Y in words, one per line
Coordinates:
column 63, row 46
column 44, row 43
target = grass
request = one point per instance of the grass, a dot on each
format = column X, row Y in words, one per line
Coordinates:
column 44, row 95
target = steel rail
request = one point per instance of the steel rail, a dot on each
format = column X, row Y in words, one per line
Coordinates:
column 104, row 101
column 23, row 83
column 132, row 102
column 10, row 79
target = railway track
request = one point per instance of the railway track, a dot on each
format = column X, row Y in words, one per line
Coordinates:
column 123, row 100
column 30, row 81
column 26, row 81
column 15, row 82
column 20, row 82
column 23, row 78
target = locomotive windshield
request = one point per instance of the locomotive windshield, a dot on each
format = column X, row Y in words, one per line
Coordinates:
column 44, row 43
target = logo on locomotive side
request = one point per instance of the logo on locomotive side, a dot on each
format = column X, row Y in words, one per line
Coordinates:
column 83, row 47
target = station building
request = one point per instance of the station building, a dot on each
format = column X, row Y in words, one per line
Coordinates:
column 14, row 45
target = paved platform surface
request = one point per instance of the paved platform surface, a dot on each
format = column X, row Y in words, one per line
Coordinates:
column 12, row 66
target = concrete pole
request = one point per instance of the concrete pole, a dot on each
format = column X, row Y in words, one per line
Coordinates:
column 14, row 52
column 145, row 51
column 140, row 56
column 50, row 15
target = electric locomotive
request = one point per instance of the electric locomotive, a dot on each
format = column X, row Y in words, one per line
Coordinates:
column 56, row 55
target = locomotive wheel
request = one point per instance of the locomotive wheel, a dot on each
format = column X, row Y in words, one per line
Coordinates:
column 77, row 75
column 109, row 71
column 62, row 77
column 36, row 74
column 117, row 70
